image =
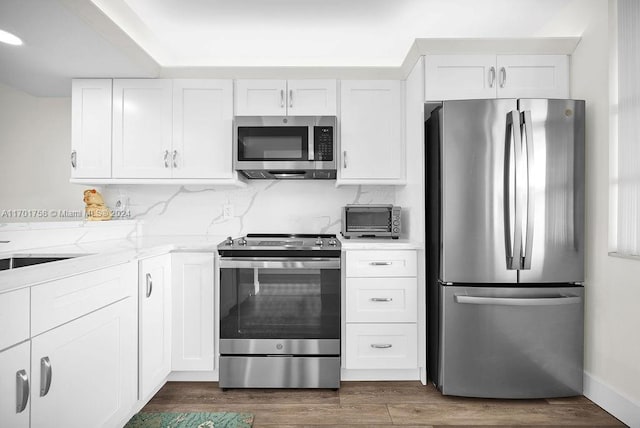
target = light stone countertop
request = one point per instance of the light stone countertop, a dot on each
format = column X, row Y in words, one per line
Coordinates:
column 91, row 256
column 379, row 244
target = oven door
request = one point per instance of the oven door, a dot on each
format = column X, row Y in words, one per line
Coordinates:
column 275, row 306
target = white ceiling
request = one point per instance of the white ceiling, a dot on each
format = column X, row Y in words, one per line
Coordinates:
column 140, row 38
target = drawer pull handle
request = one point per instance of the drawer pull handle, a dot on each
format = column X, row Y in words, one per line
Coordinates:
column 381, row 345
column 22, row 390
column 381, row 299
column 380, row 263
column 45, row 376
column 149, row 285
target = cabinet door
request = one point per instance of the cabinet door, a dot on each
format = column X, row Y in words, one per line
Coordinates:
column 15, row 381
column 261, row 97
column 311, row 97
column 142, row 118
column 91, row 128
column 85, row 370
column 155, row 323
column 460, row 77
column 192, row 317
column 202, row 128
column 533, row 76
column 371, row 131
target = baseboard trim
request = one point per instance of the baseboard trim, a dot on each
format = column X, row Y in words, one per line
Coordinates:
column 614, row 402
column 379, row 374
column 194, row 376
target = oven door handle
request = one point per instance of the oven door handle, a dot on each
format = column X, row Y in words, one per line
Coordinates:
column 280, row 263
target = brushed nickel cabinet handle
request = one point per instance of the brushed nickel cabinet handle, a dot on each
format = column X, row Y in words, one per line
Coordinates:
column 173, row 158
column 381, row 345
column 492, row 76
column 22, row 390
column 45, row 376
column 290, row 97
column 166, row 158
column 281, row 98
column 149, row 285
column 503, row 77
column 74, row 159
column 344, row 159
column 381, row 299
column 380, row 263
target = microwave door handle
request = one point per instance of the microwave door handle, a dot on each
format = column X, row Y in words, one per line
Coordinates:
column 310, row 142
column 293, row 174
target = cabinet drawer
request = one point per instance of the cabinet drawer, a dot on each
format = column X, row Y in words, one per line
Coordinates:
column 57, row 302
column 380, row 263
column 14, row 317
column 381, row 299
column 381, row 346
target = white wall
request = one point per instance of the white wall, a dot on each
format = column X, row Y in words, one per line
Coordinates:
column 612, row 347
column 35, row 141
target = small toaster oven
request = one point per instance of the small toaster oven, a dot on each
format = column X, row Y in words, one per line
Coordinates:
column 371, row 221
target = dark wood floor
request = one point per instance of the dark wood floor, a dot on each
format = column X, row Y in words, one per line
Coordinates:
column 379, row 404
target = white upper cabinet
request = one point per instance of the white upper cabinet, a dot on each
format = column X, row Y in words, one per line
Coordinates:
column 458, row 77
column 455, row 77
column 91, row 128
column 142, row 131
column 371, row 137
column 202, row 129
column 533, row 76
column 308, row 97
column 312, row 97
column 257, row 97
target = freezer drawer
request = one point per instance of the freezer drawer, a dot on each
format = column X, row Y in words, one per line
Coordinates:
column 508, row 342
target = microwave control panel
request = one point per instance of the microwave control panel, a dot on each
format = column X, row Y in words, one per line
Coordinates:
column 323, row 143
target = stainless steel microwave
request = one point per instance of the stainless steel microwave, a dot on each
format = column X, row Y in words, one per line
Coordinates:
column 272, row 147
column 373, row 221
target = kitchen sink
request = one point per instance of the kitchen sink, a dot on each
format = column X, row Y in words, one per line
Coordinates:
column 22, row 261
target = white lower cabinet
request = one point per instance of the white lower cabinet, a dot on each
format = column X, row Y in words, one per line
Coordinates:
column 15, row 380
column 192, row 277
column 381, row 310
column 382, row 346
column 154, row 323
column 382, row 300
column 84, row 372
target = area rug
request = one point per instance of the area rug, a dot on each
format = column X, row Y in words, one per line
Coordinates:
column 191, row 420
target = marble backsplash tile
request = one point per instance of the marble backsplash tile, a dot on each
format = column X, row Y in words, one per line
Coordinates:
column 301, row 206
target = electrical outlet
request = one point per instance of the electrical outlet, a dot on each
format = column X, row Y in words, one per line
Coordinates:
column 227, row 211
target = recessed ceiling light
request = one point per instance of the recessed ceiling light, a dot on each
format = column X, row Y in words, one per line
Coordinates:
column 10, row 39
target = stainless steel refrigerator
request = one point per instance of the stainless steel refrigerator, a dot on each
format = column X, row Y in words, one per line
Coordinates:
column 505, row 247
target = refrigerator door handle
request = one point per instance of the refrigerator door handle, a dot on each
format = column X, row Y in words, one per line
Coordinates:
column 528, row 124
column 518, row 301
column 512, row 210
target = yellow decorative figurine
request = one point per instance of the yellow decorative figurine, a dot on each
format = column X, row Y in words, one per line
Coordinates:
column 96, row 209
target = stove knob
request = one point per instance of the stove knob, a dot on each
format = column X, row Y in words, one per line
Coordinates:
column 228, row 241
column 333, row 242
column 319, row 241
column 242, row 241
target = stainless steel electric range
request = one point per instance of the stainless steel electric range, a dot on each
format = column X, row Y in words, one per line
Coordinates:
column 280, row 311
